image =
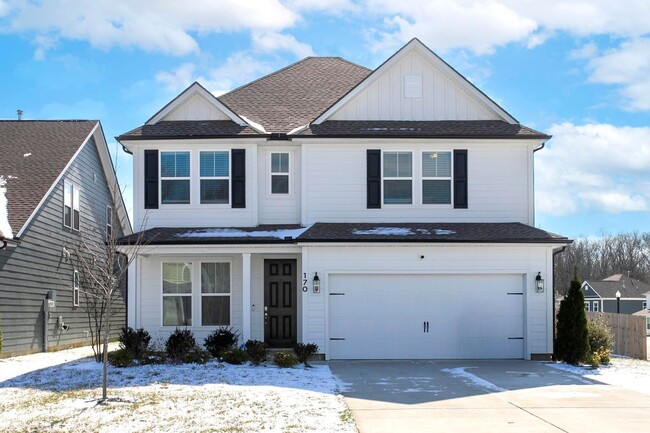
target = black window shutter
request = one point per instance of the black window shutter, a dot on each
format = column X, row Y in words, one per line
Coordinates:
column 151, row 179
column 460, row 179
column 238, row 178
column 373, row 167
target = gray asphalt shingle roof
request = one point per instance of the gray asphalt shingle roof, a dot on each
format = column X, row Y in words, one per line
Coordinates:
column 629, row 287
column 50, row 145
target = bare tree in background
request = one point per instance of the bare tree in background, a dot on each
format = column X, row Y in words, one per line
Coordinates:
column 595, row 259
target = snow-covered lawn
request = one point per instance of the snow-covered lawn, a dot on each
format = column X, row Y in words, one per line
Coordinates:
column 627, row 373
column 57, row 392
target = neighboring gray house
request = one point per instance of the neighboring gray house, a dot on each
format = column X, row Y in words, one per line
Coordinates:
column 57, row 189
column 601, row 295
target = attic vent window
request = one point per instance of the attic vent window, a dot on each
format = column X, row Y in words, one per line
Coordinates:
column 413, row 86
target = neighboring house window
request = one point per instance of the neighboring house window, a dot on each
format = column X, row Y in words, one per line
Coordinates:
column 109, row 222
column 586, row 305
column 436, row 177
column 75, row 288
column 398, row 177
column 279, row 173
column 215, row 294
column 177, row 294
column 594, row 306
column 215, row 177
column 71, row 216
column 175, row 177
column 645, row 305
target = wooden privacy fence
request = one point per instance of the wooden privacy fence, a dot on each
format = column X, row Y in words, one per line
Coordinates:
column 629, row 333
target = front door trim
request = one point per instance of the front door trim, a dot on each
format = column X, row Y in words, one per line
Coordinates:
column 280, row 302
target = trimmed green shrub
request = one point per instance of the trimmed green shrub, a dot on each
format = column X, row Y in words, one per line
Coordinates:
column 180, row 344
column 220, row 340
column 120, row 358
column 304, row 352
column 154, row 358
column 601, row 340
column 572, row 341
column 135, row 341
column 285, row 359
column 257, row 351
column 197, row 356
column 234, row 356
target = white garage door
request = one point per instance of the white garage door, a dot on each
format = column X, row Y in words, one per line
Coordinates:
column 426, row 316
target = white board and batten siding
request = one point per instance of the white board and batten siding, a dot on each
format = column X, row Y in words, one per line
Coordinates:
column 196, row 108
column 499, row 186
column 458, row 286
column 414, row 88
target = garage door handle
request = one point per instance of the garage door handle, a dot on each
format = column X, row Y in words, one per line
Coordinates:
column 426, row 326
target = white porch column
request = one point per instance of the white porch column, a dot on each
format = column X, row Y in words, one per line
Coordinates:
column 246, row 301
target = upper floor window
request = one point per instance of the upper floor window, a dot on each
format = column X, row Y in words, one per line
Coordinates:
column 215, row 177
column 436, row 177
column 177, row 294
column 175, row 177
column 280, row 173
column 398, row 178
column 71, row 216
column 109, row 222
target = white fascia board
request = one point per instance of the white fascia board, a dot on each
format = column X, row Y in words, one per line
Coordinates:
column 56, row 181
column 308, row 244
column 423, row 50
column 184, row 250
column 132, row 145
column 307, row 139
column 188, row 93
column 111, row 179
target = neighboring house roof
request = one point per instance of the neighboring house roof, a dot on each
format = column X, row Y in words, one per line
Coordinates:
column 629, row 287
column 189, row 129
column 351, row 232
column 293, row 96
column 434, row 129
column 34, row 155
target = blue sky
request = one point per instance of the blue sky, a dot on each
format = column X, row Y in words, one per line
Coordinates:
column 579, row 70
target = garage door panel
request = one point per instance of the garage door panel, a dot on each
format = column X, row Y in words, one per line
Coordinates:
column 469, row 316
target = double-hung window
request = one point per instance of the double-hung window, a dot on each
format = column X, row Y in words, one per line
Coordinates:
column 215, row 177
column 215, row 294
column 109, row 222
column 177, row 294
column 71, row 216
column 175, row 177
column 586, row 305
column 280, row 173
column 75, row 289
column 398, row 178
column 436, row 177
column 594, row 306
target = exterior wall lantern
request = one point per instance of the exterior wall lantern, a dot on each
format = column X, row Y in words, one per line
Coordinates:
column 539, row 283
column 316, row 283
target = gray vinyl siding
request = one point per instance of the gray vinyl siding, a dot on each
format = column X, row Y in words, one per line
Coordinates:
column 628, row 306
column 37, row 265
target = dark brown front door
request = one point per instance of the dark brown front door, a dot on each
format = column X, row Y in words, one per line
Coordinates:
column 280, row 302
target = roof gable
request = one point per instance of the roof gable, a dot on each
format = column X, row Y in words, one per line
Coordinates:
column 195, row 103
column 415, row 84
column 36, row 154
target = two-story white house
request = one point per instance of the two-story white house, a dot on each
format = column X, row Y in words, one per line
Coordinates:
column 380, row 214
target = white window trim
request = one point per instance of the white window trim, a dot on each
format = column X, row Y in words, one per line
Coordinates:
column 109, row 221
column 595, row 306
column 201, row 294
column 198, row 174
column 289, row 192
column 75, row 289
column 75, row 198
column 450, row 178
column 412, row 178
column 587, row 307
column 161, row 178
column 65, row 204
column 163, row 294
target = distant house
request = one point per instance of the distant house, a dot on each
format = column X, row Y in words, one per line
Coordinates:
column 601, row 295
column 645, row 312
column 57, row 189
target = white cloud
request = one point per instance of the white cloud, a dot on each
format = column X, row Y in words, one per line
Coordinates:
column 167, row 26
column 267, row 42
column 629, row 67
column 328, row 6
column 593, row 167
column 43, row 44
column 238, row 69
column 587, row 51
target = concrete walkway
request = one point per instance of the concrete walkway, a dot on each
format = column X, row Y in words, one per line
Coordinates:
column 484, row 396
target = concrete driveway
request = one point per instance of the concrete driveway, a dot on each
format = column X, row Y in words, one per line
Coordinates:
column 484, row 396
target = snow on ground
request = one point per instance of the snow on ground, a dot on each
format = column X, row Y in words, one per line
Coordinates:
column 57, row 392
column 466, row 376
column 627, row 373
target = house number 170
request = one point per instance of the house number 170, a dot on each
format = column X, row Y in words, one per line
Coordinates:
column 304, row 283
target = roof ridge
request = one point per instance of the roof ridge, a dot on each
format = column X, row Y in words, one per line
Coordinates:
column 48, row 120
